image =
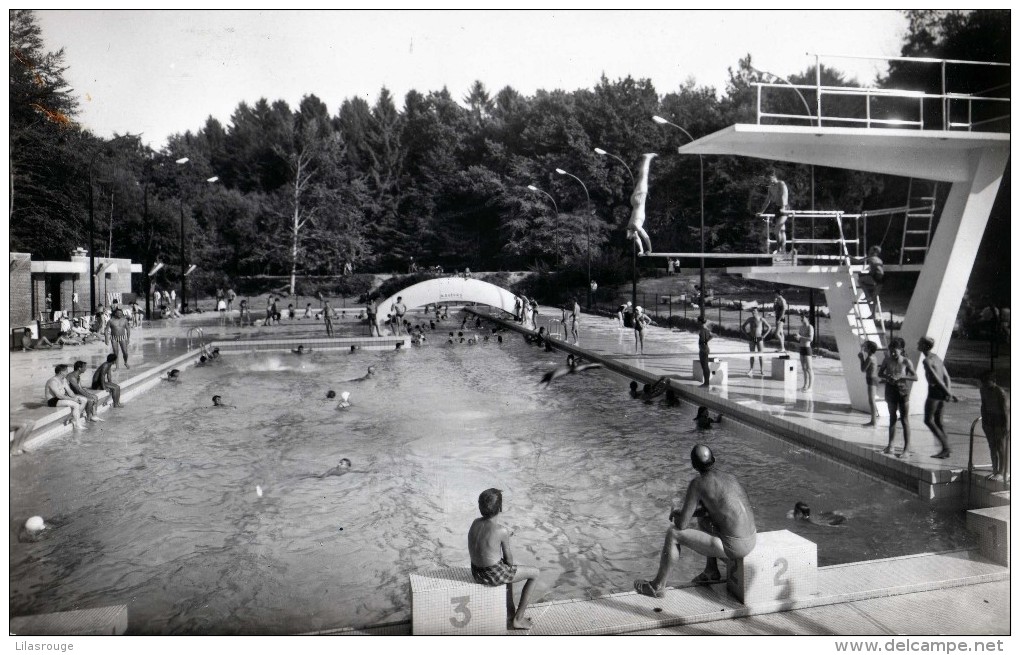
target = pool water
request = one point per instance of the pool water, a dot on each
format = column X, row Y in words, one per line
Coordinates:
column 158, row 508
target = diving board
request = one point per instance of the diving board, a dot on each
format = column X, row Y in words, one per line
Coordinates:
column 708, row 255
column 973, row 162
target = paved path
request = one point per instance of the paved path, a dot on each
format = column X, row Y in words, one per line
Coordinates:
column 822, row 416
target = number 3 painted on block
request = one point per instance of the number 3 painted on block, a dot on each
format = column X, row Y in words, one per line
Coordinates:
column 782, row 564
column 460, row 607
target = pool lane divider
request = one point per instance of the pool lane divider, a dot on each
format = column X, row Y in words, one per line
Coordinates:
column 946, row 486
column 55, row 423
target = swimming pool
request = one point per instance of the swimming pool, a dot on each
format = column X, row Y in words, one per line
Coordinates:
column 158, row 509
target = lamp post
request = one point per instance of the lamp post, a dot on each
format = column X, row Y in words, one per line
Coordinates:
column 184, row 262
column 92, row 222
column 701, row 165
column 557, row 208
column 633, row 286
column 587, row 225
column 600, row 151
column 811, row 292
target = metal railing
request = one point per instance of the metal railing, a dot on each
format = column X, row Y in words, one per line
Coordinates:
column 819, row 237
column 945, row 101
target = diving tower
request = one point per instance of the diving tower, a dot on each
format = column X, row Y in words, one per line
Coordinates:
column 972, row 162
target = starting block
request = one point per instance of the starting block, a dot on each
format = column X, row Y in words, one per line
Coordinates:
column 784, row 368
column 450, row 602
column 718, row 369
column 782, row 566
column 991, row 526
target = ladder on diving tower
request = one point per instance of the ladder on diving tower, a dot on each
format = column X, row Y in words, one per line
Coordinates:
column 917, row 222
column 866, row 322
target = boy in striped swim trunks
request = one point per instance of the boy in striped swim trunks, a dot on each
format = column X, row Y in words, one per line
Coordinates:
column 492, row 563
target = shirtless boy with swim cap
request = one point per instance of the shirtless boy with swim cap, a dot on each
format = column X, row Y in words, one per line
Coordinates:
column 725, row 524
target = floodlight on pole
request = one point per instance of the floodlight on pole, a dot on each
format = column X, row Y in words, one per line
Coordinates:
column 155, row 269
column 555, row 206
column 588, row 221
column 701, row 166
column 600, row 151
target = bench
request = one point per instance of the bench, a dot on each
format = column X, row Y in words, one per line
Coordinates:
column 449, row 602
column 782, row 566
column 718, row 369
column 991, row 526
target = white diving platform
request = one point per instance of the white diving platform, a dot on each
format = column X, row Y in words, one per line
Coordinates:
column 972, row 162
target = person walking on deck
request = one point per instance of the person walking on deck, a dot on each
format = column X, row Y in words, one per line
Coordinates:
column 118, row 334
column 780, row 307
column 869, row 366
column 897, row 372
column 726, row 525
column 757, row 330
column 805, row 337
column 940, row 389
column 995, row 424
column 575, row 320
column 641, row 320
column 704, row 336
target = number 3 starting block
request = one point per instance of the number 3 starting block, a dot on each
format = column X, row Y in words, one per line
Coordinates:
column 450, row 602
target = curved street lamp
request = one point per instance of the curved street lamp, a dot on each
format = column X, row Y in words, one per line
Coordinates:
column 587, row 223
column 701, row 165
column 535, row 188
column 600, row 151
column 185, row 270
column 92, row 219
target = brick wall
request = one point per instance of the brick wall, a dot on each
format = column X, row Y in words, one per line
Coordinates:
column 21, row 289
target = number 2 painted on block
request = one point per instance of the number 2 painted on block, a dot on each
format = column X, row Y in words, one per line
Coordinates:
column 460, row 607
column 782, row 564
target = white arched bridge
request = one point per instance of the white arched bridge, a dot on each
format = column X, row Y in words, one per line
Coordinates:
column 449, row 289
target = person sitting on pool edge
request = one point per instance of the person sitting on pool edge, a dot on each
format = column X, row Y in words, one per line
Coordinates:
column 725, row 524
column 704, row 420
column 217, row 401
column 102, row 379
column 492, row 562
column 801, row 512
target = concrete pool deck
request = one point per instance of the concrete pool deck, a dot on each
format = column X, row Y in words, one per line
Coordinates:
column 894, row 596
column 821, row 418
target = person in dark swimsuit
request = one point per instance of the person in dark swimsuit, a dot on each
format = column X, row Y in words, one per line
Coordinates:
column 726, row 525
column 102, row 379
column 897, row 372
column 939, row 391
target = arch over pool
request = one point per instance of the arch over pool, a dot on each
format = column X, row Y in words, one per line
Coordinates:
column 449, row 289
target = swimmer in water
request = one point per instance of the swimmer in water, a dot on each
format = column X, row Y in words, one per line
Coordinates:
column 342, row 467
column 32, row 529
column 634, row 393
column 330, row 395
column 344, row 400
column 801, row 512
column 704, row 420
column 366, row 376
column 174, row 375
column 672, row 400
column 217, row 401
column 300, row 350
column 573, row 366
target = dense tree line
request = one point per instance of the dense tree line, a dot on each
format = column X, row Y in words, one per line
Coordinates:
column 305, row 191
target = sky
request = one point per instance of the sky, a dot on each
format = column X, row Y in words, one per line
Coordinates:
column 165, row 72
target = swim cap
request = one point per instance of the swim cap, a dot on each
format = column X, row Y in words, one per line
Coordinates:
column 702, row 458
column 345, row 395
column 35, row 524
